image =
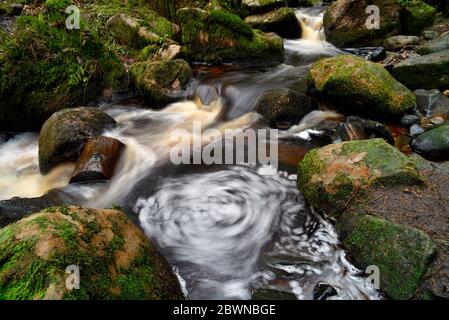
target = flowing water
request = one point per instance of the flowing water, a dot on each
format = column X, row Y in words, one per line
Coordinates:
column 226, row 229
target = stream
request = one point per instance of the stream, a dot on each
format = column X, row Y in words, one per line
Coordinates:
column 226, row 229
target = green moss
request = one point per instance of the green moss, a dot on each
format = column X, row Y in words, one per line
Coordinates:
column 402, row 254
column 416, row 16
column 310, row 166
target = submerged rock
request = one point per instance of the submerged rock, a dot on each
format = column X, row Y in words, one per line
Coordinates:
column 433, row 144
column 424, row 72
column 284, row 106
column 281, row 21
column 114, row 258
column 161, row 82
column 64, row 134
column 334, row 175
column 360, row 87
column 219, row 36
column 98, row 160
column 401, row 253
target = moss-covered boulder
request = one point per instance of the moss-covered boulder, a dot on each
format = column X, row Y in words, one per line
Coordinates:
column 284, row 106
column 345, row 22
column 335, row 176
column 361, row 87
column 161, row 82
column 415, row 16
column 45, row 67
column 433, row 144
column 115, row 259
column 219, row 36
column 282, row 21
column 263, row 6
column 64, row 134
column 401, row 253
column 425, row 72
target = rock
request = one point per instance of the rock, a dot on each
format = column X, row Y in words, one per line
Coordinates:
column 425, row 72
column 263, row 6
column 323, row 291
column 64, row 134
column 398, row 42
column 401, row 253
column 281, row 21
column 98, row 160
column 432, row 103
column 218, row 37
column 332, row 176
column 415, row 130
column 271, row 295
column 351, row 131
column 161, row 82
column 433, row 144
column 115, row 259
column 416, row 15
column 409, row 120
column 17, row 208
column 372, row 129
column 360, row 87
column 169, row 52
column 429, row 34
column 345, row 22
column 436, row 45
column 284, row 106
column 375, row 54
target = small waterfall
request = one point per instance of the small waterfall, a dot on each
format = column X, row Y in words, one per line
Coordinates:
column 311, row 25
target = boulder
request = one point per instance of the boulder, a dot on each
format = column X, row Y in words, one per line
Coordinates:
column 98, row 160
column 333, row 176
column 263, row 6
column 281, row 21
column 415, row 16
column 433, row 144
column 115, row 259
column 424, row 72
column 435, row 45
column 161, row 82
column 218, row 37
column 64, row 134
column 401, row 253
column 284, row 106
column 360, row 87
column 398, row 42
column 432, row 103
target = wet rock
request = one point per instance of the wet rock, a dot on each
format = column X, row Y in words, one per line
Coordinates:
column 115, row 258
column 98, row 160
column 331, row 177
column 401, row 253
column 351, row 131
column 284, row 106
column 409, row 120
column 168, row 52
column 435, row 45
column 415, row 130
column 361, row 87
column 398, row 42
column 161, row 82
column 345, row 22
column 375, row 54
column 372, row 129
column 425, row 72
column 64, row 134
column 18, row 208
column 324, row 291
column 271, row 295
column 219, row 36
column 433, row 144
column 281, row 21
column 432, row 103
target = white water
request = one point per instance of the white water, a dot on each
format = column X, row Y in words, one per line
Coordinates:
column 227, row 230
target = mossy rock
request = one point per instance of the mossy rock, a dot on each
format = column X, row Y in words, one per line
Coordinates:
column 416, row 15
column 433, row 144
column 249, row 7
column 401, row 253
column 360, row 87
column 161, row 82
column 425, row 72
column 336, row 176
column 345, row 22
column 435, row 45
column 218, row 37
column 115, row 259
column 64, row 134
column 282, row 21
column 45, row 67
